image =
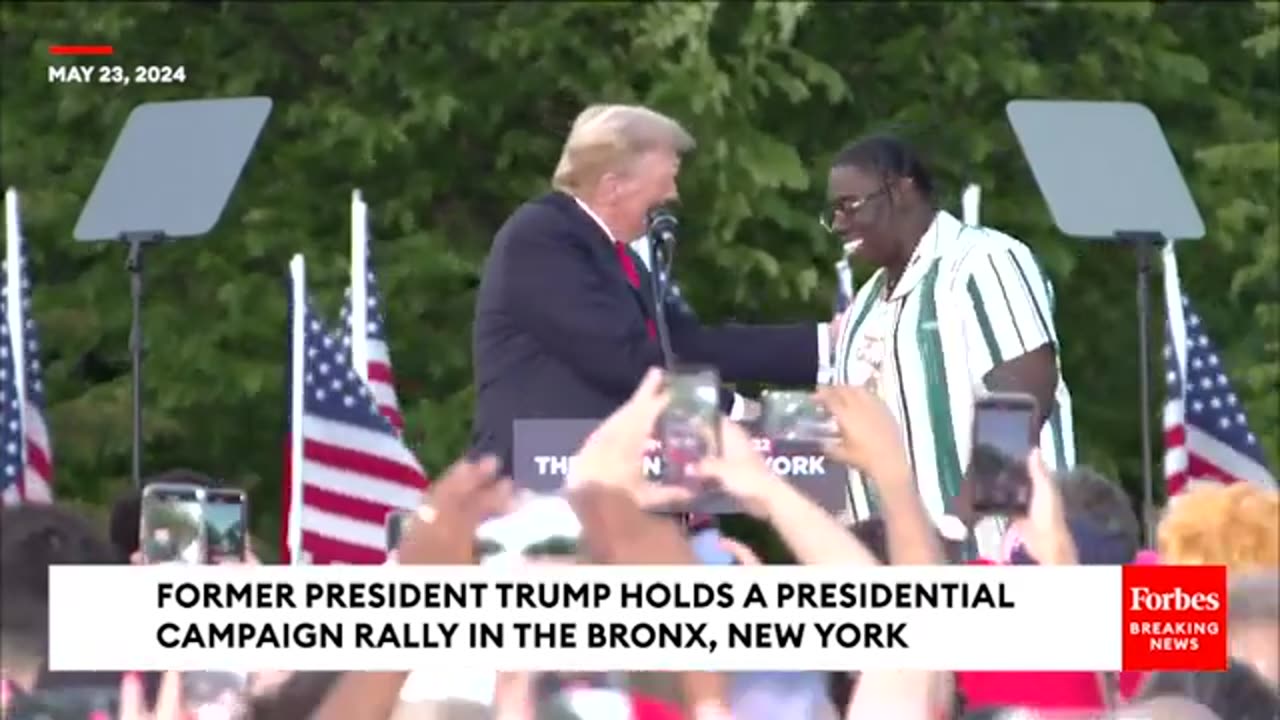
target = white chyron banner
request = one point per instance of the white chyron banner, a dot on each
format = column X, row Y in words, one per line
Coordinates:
column 600, row 618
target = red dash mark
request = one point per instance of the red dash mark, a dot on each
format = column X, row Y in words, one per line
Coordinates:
column 81, row 50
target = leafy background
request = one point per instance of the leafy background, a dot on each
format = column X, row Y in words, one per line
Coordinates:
column 449, row 115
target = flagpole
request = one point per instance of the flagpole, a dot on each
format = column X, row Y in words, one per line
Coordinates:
column 297, row 334
column 13, row 289
column 1173, row 304
column 971, row 204
column 359, row 319
column 1178, row 346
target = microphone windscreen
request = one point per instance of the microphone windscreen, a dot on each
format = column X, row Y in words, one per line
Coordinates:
column 662, row 222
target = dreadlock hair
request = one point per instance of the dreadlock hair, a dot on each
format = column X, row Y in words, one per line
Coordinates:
column 890, row 158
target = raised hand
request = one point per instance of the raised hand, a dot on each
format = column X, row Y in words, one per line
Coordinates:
column 740, row 470
column 613, row 455
column 869, row 434
column 442, row 531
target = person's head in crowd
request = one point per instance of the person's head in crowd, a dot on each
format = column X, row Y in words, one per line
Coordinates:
column 622, row 161
column 126, row 511
column 1237, row 525
column 1091, row 497
column 1253, row 606
column 880, row 197
column 1239, row 693
column 32, row 538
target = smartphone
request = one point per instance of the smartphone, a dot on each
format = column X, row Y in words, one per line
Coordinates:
column 796, row 416
column 172, row 527
column 1004, row 432
column 395, row 525
column 689, row 429
column 226, row 519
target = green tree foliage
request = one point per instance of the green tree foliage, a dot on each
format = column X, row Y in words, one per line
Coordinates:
column 449, row 115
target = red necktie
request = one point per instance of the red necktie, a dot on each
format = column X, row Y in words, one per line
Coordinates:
column 633, row 276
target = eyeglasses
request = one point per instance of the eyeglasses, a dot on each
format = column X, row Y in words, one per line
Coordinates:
column 845, row 207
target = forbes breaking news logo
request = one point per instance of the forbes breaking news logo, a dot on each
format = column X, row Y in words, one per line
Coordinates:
column 1175, row 618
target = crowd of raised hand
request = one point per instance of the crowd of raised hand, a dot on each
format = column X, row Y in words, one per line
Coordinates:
column 627, row 520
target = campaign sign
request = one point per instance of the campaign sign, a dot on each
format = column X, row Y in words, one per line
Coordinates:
column 544, row 449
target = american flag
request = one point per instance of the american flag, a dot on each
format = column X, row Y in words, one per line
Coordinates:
column 26, row 458
column 381, row 380
column 1207, row 436
column 355, row 469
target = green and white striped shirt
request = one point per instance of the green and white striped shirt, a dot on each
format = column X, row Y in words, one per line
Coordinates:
column 969, row 299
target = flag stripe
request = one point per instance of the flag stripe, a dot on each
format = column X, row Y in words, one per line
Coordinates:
column 351, row 508
column 360, row 461
column 345, row 481
column 326, row 547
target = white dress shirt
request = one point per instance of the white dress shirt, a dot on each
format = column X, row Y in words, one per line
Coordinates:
column 738, row 410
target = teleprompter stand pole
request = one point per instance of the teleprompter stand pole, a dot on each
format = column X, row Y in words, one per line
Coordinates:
column 133, row 264
column 659, row 271
column 1145, row 245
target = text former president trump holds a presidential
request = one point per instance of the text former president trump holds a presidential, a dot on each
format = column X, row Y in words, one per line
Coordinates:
column 564, row 322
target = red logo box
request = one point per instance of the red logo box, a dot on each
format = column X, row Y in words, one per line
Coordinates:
column 1175, row 617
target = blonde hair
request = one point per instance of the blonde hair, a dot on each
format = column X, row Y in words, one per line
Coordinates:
column 1236, row 525
column 607, row 138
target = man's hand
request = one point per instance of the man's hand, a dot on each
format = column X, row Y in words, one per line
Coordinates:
column 870, row 440
column 442, row 531
column 613, row 455
column 1044, row 530
column 617, row 531
column 740, row 471
column 742, row 554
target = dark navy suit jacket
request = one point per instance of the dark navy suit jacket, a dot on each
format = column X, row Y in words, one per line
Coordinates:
column 559, row 331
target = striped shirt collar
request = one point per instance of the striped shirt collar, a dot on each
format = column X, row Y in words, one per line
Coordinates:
column 944, row 226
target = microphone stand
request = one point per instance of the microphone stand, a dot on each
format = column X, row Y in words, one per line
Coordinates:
column 659, row 272
column 659, row 275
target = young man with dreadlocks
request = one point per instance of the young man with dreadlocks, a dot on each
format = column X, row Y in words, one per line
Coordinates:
column 950, row 311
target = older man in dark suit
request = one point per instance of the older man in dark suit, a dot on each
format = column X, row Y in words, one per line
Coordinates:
column 564, row 326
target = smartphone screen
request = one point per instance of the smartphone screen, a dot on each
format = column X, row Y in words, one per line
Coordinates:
column 1003, row 436
column 225, row 520
column 395, row 524
column 172, row 525
column 690, row 426
column 796, row 417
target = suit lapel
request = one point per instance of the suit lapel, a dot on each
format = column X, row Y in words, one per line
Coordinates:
column 604, row 252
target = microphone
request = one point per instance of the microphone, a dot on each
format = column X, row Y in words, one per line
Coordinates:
column 662, row 226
